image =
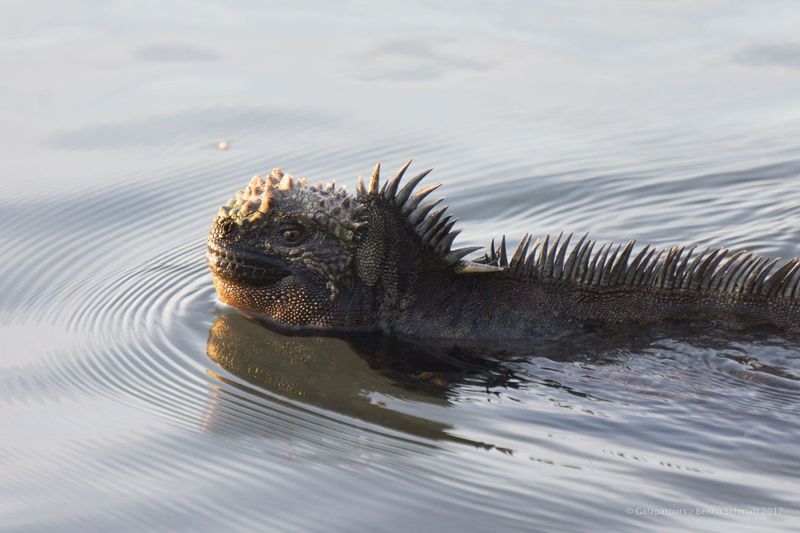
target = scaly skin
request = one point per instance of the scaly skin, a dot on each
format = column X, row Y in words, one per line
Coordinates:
column 315, row 259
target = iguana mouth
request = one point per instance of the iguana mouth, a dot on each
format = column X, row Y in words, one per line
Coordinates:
column 255, row 269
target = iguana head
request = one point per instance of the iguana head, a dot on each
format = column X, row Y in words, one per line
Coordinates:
column 303, row 255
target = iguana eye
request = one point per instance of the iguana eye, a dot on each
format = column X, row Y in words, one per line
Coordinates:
column 292, row 235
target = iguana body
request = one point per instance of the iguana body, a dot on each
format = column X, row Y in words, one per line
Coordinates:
column 317, row 259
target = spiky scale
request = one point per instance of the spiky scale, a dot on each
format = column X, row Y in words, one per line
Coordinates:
column 550, row 260
column 638, row 275
column 712, row 267
column 583, row 263
column 619, row 263
column 754, row 284
column 503, row 256
column 419, row 214
column 437, row 230
column 752, row 264
column 286, row 183
column 519, row 254
column 630, row 274
column 247, row 208
column 445, row 229
column 530, row 263
column 591, row 266
column 454, row 256
column 601, row 261
column 541, row 260
column 792, row 289
column 771, row 287
column 681, row 270
column 664, row 278
column 724, row 270
column 469, row 267
column 573, row 256
column 735, row 272
column 718, row 275
column 776, row 290
column 558, row 264
column 702, row 267
column 792, row 280
column 390, row 189
column 688, row 266
column 443, row 247
column 266, row 200
column 375, row 179
column 605, row 275
column 620, row 270
column 405, row 193
column 415, row 199
column 431, row 221
column 674, row 278
column 652, row 268
column 748, row 281
column 693, row 267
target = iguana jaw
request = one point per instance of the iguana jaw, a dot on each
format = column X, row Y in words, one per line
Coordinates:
column 245, row 267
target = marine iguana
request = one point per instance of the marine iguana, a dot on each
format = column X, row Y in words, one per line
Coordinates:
column 315, row 259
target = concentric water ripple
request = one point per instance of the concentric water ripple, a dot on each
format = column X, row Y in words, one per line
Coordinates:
column 133, row 400
column 146, row 332
column 152, row 337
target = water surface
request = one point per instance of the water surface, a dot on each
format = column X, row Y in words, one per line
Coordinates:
column 131, row 399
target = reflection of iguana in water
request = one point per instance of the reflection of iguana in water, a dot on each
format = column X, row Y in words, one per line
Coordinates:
column 346, row 378
column 315, row 258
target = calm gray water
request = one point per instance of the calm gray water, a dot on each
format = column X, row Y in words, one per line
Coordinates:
column 131, row 399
